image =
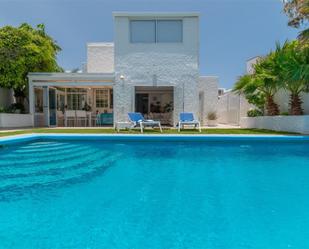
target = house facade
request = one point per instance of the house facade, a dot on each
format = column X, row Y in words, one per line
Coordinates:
column 152, row 67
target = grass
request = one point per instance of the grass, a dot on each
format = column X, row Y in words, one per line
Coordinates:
column 147, row 131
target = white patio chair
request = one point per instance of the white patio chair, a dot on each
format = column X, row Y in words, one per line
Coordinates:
column 60, row 118
column 81, row 116
column 69, row 116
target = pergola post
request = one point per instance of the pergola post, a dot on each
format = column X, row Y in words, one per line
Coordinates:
column 31, row 100
column 46, row 105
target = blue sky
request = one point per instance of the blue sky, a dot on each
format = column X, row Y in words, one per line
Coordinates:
column 231, row 31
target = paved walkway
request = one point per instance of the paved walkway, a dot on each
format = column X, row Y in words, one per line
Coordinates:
column 222, row 126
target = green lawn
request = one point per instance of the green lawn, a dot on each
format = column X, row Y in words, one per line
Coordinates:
column 147, row 131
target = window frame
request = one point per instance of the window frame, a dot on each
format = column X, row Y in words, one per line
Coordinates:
column 143, row 20
column 169, row 20
column 74, row 98
column 107, row 98
column 156, row 20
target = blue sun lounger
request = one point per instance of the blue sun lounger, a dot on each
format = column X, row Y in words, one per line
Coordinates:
column 137, row 119
column 187, row 118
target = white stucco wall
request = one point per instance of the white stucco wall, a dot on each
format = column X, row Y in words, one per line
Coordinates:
column 208, row 96
column 100, row 57
column 231, row 107
column 156, row 64
column 250, row 64
column 10, row 120
column 282, row 98
column 6, row 97
column 298, row 124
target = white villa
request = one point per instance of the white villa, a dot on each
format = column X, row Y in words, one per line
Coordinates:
column 152, row 67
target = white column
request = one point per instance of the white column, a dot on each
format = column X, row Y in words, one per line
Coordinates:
column 31, row 100
column 46, row 105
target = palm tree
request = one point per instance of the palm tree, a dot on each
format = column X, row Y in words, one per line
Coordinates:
column 293, row 64
column 248, row 87
column 261, row 87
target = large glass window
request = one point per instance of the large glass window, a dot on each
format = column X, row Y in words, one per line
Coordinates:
column 156, row 31
column 143, row 31
column 169, row 31
column 101, row 98
column 60, row 101
column 76, row 98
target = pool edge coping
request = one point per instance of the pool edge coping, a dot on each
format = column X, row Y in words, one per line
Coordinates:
column 142, row 137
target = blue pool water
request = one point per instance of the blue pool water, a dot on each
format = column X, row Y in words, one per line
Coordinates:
column 61, row 194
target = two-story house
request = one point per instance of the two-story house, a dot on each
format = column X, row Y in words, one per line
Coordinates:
column 152, row 67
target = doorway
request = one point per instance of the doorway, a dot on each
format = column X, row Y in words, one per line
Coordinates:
column 155, row 103
column 142, row 103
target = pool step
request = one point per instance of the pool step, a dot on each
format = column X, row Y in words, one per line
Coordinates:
column 22, row 162
column 26, row 150
column 46, row 164
column 44, row 167
column 58, row 176
column 33, row 155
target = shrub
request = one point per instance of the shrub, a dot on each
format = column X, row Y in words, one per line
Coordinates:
column 17, row 107
column 14, row 108
column 254, row 113
column 4, row 110
column 284, row 114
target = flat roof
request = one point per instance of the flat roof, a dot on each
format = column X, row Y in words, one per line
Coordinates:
column 253, row 58
column 100, row 44
column 71, row 79
column 209, row 76
column 155, row 14
column 70, row 75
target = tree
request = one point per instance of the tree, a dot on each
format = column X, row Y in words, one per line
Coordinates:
column 298, row 13
column 247, row 86
column 261, row 87
column 285, row 68
column 293, row 63
column 25, row 49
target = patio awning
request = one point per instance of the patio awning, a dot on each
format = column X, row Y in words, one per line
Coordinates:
column 71, row 79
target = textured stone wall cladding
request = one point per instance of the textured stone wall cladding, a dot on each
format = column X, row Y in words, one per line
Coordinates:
column 156, row 64
column 208, row 89
column 100, row 58
column 298, row 124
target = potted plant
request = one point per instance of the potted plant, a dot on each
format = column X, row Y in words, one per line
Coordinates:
column 212, row 119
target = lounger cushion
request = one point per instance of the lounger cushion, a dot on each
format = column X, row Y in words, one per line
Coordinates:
column 136, row 116
column 186, row 116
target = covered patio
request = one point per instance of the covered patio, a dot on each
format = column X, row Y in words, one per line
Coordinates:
column 71, row 99
column 155, row 102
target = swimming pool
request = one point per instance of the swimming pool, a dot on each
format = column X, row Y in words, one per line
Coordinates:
column 154, row 192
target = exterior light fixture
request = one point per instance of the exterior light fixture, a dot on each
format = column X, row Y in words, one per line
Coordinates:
column 122, row 79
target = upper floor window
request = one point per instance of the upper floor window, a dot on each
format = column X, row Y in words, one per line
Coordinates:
column 156, row 31
column 143, row 31
column 169, row 31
